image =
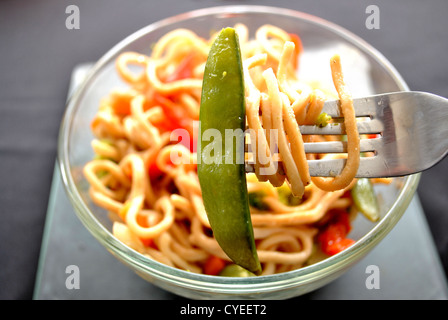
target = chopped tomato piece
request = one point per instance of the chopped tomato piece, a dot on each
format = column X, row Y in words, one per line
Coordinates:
column 142, row 221
column 341, row 217
column 148, row 243
column 184, row 69
column 298, row 49
column 121, row 102
column 333, row 239
column 214, row 265
column 154, row 170
column 177, row 118
column 339, row 246
column 333, row 233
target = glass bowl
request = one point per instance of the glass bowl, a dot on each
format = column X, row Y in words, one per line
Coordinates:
column 318, row 37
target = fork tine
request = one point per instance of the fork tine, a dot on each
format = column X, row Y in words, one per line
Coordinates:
column 333, row 167
column 366, row 145
column 364, row 127
column 364, row 107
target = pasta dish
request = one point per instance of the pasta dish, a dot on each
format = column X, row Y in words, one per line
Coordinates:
column 156, row 202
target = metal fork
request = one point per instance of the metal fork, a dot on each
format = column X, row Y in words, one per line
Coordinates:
column 411, row 135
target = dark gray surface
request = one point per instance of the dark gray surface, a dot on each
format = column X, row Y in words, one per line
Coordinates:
column 38, row 54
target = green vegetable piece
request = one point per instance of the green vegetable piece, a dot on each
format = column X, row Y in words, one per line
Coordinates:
column 222, row 172
column 256, row 200
column 323, row 119
column 365, row 199
column 234, row 270
column 286, row 197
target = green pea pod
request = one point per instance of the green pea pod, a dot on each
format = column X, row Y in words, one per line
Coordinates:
column 221, row 169
column 365, row 199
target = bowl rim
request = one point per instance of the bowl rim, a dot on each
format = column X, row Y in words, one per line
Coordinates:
column 224, row 285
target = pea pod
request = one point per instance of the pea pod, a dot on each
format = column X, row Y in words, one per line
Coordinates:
column 221, row 172
column 365, row 199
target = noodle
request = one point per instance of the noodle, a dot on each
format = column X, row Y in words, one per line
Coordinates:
column 157, row 201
